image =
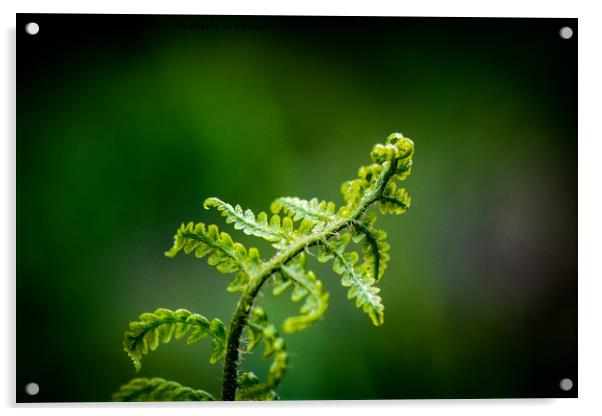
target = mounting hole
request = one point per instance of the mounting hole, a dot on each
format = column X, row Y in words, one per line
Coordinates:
column 32, row 28
column 566, row 384
column 32, row 389
column 566, row 32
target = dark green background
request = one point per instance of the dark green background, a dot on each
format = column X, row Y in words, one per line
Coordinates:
column 125, row 124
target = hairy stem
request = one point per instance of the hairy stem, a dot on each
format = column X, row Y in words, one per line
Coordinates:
column 243, row 308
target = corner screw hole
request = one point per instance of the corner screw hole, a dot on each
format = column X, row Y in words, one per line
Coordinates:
column 566, row 384
column 566, row 32
column 32, row 389
column 32, row 28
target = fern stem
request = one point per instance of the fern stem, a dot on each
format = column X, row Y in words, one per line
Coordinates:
column 231, row 357
column 245, row 303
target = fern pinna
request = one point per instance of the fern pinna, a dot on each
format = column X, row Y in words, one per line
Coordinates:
column 296, row 229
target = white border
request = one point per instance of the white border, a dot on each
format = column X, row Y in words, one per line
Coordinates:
column 590, row 204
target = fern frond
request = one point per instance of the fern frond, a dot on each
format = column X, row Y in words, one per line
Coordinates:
column 296, row 226
column 353, row 191
column 307, row 287
column 374, row 249
column 393, row 159
column 321, row 212
column 396, row 147
column 370, row 172
column 158, row 390
column 161, row 326
column 280, row 232
column 274, row 346
column 245, row 220
column 393, row 200
column 247, row 380
column 360, row 285
column 225, row 254
column 405, row 148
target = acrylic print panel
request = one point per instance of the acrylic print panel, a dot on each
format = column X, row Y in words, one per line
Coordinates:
column 448, row 150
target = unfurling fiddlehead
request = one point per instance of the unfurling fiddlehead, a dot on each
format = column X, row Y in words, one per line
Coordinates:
column 295, row 226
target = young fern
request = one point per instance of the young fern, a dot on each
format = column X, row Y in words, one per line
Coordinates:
column 296, row 226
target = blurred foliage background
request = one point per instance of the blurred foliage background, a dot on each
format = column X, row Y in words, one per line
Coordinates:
column 126, row 124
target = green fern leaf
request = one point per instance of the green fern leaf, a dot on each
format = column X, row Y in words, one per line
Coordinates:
column 248, row 380
column 374, row 249
column 274, row 347
column 158, row 390
column 353, row 191
column 245, row 220
column 321, row 212
column 161, row 326
column 226, row 255
column 360, row 285
column 396, row 156
column 307, row 287
column 405, row 152
column 396, row 147
column 280, row 232
column 384, row 152
column 217, row 330
column 393, row 200
column 296, row 226
column 370, row 172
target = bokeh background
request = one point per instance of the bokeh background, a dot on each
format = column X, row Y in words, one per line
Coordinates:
column 126, row 124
